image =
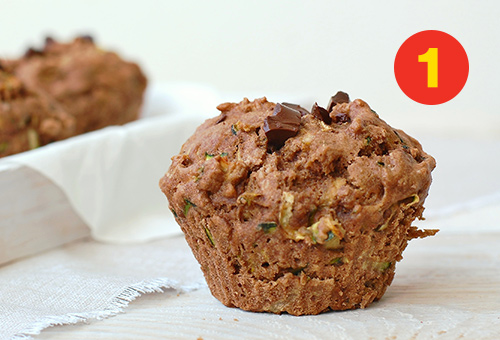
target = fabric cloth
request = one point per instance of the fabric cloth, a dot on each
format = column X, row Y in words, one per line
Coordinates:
column 111, row 176
column 89, row 280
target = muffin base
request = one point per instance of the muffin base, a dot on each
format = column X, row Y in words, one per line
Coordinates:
column 296, row 277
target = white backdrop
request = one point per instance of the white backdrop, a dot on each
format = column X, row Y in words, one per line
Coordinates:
column 305, row 49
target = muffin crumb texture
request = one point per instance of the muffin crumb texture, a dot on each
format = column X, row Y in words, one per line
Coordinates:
column 298, row 211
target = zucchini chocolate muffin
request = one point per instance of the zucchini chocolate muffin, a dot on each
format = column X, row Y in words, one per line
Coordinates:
column 29, row 119
column 293, row 211
column 63, row 90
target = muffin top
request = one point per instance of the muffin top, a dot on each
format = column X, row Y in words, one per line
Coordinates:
column 65, row 70
column 316, row 177
column 77, row 73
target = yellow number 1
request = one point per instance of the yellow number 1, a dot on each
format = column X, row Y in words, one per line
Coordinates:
column 431, row 58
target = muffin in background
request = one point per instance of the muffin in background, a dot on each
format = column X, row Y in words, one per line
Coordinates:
column 63, row 90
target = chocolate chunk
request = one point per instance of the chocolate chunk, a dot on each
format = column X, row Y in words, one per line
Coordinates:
column 49, row 41
column 283, row 124
column 32, row 52
column 87, row 38
column 1, row 67
column 339, row 98
column 297, row 108
column 341, row 118
column 320, row 113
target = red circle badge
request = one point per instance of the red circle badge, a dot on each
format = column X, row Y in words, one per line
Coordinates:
column 431, row 67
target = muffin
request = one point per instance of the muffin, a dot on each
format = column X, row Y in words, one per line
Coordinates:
column 29, row 119
column 63, row 90
column 301, row 212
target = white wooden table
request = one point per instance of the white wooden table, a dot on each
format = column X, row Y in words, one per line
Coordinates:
column 446, row 287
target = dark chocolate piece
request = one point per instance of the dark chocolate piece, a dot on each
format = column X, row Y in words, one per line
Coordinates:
column 32, row 52
column 283, row 124
column 339, row 98
column 87, row 38
column 49, row 41
column 341, row 118
column 296, row 107
column 320, row 113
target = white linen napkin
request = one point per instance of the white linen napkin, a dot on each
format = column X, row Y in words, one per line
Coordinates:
column 89, row 280
column 111, row 176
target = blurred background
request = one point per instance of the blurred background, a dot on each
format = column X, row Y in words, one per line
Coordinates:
column 302, row 51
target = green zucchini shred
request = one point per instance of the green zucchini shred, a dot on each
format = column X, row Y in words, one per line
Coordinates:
column 3, row 146
column 209, row 235
column 267, row 227
column 188, row 206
